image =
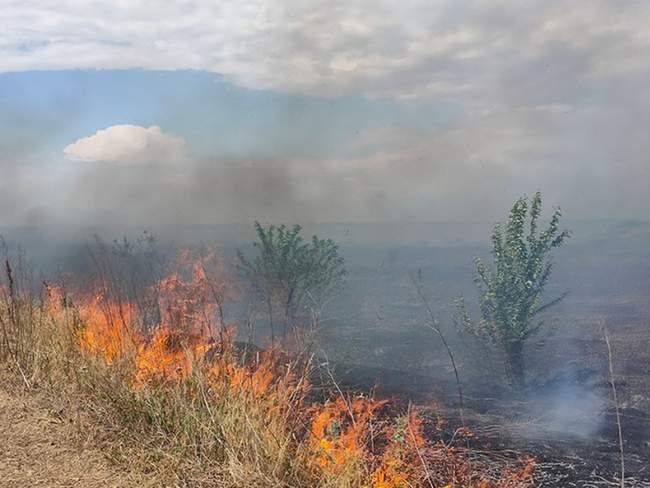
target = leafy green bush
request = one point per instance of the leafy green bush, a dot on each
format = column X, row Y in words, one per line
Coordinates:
column 511, row 289
column 288, row 272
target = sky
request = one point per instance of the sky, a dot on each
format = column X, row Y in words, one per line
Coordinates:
column 202, row 112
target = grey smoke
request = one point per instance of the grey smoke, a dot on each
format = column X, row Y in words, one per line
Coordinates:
column 568, row 410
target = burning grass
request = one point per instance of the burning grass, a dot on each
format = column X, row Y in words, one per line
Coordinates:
column 176, row 398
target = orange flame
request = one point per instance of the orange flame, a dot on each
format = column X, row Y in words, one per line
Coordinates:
column 339, row 430
column 192, row 297
column 168, row 356
column 190, row 301
column 108, row 332
column 399, row 462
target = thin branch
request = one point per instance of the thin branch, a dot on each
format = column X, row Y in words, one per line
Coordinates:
column 615, row 396
column 433, row 325
column 548, row 305
column 338, row 388
column 417, row 448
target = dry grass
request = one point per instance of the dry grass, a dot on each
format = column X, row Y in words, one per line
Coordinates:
column 36, row 450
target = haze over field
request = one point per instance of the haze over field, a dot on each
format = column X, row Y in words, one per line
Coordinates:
column 354, row 111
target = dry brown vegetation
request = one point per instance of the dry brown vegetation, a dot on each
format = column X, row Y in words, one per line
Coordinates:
column 36, row 450
column 172, row 398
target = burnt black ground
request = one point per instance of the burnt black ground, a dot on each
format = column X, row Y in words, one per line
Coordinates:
column 504, row 428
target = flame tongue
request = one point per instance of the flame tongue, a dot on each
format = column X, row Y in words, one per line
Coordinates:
column 109, row 330
column 187, row 301
column 169, row 355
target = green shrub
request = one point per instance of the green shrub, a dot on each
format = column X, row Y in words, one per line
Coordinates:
column 288, row 272
column 511, row 289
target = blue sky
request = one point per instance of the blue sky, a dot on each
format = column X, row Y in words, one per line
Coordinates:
column 208, row 112
column 214, row 115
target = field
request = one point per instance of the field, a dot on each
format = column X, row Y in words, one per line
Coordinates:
column 374, row 337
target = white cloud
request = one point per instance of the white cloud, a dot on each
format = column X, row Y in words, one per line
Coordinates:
column 406, row 49
column 126, row 143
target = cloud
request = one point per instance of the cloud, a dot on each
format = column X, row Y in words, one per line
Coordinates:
column 545, row 94
column 445, row 48
column 126, row 144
